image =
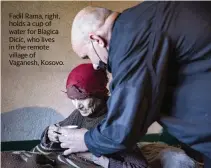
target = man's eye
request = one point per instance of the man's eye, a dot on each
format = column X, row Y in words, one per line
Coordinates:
column 85, row 57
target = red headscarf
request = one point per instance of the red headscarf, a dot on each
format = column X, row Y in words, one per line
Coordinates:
column 84, row 81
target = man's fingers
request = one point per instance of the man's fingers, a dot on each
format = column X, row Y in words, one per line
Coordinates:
column 66, row 131
column 63, row 138
column 67, row 152
column 65, row 145
column 63, row 131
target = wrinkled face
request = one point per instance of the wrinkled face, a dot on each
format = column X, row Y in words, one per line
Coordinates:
column 87, row 106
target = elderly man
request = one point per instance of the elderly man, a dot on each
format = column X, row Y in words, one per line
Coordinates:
column 159, row 54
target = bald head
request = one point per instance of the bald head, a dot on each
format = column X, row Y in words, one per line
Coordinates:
column 91, row 33
column 89, row 19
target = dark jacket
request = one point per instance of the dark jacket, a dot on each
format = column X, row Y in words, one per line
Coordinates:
column 160, row 60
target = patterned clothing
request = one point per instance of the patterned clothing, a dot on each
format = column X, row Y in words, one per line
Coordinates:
column 127, row 159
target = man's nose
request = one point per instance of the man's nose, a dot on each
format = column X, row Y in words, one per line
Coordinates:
column 96, row 66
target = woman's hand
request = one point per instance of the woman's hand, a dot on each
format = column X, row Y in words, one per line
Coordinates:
column 52, row 135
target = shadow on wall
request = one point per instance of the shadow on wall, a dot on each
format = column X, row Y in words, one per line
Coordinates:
column 27, row 123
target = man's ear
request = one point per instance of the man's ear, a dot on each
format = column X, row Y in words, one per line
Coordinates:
column 96, row 38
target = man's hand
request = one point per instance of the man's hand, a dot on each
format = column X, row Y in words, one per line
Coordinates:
column 52, row 135
column 72, row 139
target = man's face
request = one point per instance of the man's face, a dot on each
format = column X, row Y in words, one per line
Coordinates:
column 86, row 106
column 94, row 51
column 101, row 52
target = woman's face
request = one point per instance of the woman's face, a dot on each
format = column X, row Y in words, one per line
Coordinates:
column 86, row 106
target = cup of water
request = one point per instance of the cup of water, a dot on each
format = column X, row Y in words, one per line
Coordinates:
column 70, row 126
